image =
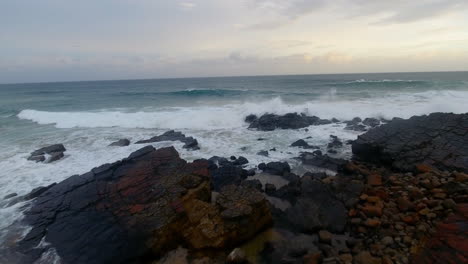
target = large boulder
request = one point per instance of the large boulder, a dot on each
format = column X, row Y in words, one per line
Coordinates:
column 48, row 154
column 439, row 140
column 316, row 205
column 268, row 122
column 171, row 135
column 140, row 207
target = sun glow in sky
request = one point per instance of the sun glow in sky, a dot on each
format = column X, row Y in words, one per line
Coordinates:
column 57, row 40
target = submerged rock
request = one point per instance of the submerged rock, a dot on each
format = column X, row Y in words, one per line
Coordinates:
column 140, row 206
column 438, row 139
column 120, row 143
column 48, row 154
column 190, row 142
column 269, row 122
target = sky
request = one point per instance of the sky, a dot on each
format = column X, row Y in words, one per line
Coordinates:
column 68, row 40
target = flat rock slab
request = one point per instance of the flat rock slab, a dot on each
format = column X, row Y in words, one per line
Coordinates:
column 439, row 140
column 269, row 122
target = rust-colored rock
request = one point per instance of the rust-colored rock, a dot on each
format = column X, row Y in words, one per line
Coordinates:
column 450, row 242
column 372, row 210
column 144, row 205
column 374, row 180
column 423, row 168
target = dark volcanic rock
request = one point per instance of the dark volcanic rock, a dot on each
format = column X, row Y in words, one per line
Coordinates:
column 270, row 122
column 250, row 118
column 335, row 142
column 141, row 206
column 316, row 205
column 190, row 142
column 55, row 152
column 371, row 122
column 322, row 161
column 240, row 161
column 227, row 174
column 303, row 144
column 263, row 153
column 275, row 168
column 120, row 143
column 438, row 139
column 49, row 149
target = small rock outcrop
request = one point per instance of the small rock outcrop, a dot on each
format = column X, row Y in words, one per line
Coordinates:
column 269, row 122
column 48, row 154
column 138, row 207
column 120, row 143
column 190, row 142
column 303, row 144
column 439, row 140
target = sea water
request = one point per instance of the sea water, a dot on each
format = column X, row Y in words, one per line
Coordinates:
column 87, row 116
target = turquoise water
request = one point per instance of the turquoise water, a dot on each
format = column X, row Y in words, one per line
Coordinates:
column 87, row 116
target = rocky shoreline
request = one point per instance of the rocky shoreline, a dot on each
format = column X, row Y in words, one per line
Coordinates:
column 401, row 199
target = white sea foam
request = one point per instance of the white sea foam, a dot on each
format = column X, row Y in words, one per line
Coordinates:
column 231, row 116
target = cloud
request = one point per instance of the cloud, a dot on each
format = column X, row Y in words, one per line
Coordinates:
column 187, row 5
column 390, row 12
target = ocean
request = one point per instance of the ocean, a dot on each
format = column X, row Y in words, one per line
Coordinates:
column 87, row 116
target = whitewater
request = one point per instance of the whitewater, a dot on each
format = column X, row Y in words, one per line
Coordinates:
column 87, row 116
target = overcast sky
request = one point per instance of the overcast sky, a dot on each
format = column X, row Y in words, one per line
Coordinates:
column 57, row 40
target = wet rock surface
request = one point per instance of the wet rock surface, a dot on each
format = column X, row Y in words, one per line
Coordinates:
column 269, row 122
column 120, row 143
column 48, row 154
column 320, row 160
column 140, row 207
column 438, row 139
column 190, row 142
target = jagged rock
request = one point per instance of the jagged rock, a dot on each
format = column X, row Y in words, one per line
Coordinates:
column 49, row 149
column 303, row 144
column 263, row 153
column 48, row 154
column 120, row 143
column 250, row 118
column 335, row 142
column 143, row 205
column 190, row 142
column 268, row 122
column 439, row 140
column 240, row 161
column 371, row 122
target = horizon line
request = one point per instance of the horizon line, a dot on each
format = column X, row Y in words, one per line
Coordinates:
column 225, row 76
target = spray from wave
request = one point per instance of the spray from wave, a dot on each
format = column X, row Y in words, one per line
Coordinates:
column 232, row 115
